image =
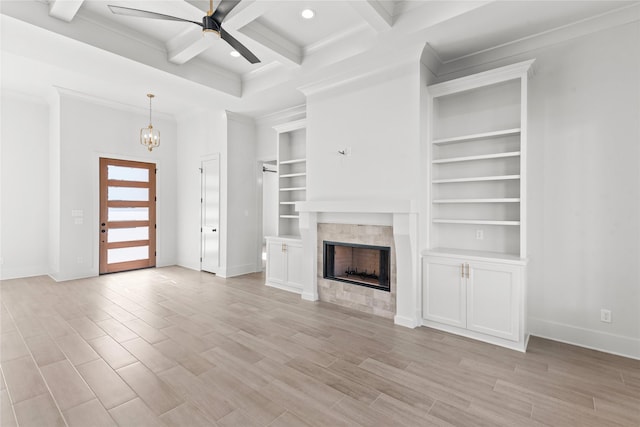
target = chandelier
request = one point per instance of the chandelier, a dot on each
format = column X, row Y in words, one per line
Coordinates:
column 150, row 137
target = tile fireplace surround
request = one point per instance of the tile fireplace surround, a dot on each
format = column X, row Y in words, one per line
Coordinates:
column 398, row 218
column 360, row 298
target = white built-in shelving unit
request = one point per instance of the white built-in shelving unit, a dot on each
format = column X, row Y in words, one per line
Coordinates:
column 292, row 174
column 474, row 263
column 284, row 251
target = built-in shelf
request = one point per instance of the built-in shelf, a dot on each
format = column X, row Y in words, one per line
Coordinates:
column 290, row 216
column 474, row 136
column 476, row 179
column 290, row 162
column 479, row 157
column 474, row 221
column 504, row 200
column 293, row 189
column 293, row 175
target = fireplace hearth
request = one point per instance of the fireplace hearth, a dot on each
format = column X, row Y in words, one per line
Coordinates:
column 358, row 264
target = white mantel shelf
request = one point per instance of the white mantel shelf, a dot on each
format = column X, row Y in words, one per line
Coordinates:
column 359, row 206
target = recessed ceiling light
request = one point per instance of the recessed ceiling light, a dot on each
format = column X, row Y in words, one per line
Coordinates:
column 234, row 53
column 308, row 14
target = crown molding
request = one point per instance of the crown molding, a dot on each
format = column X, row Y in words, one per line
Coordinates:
column 62, row 91
column 614, row 18
column 239, row 118
column 286, row 115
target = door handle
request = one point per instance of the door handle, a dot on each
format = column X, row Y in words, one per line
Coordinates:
column 214, row 230
column 103, row 231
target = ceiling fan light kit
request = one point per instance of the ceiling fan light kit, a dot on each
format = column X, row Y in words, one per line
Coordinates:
column 211, row 23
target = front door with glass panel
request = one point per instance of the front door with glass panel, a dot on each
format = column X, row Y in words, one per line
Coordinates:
column 127, row 215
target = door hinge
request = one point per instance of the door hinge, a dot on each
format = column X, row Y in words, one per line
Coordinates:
column 155, row 226
column 201, row 229
column 155, row 254
column 156, row 170
column 155, row 199
column 200, row 259
column 200, row 199
column 200, row 170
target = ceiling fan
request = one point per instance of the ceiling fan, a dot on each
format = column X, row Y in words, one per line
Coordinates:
column 211, row 22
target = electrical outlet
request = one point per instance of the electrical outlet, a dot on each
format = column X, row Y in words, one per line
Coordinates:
column 479, row 234
column 605, row 315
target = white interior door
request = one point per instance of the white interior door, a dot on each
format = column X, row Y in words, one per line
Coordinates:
column 210, row 227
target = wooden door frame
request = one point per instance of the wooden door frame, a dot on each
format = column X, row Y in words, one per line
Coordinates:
column 103, row 245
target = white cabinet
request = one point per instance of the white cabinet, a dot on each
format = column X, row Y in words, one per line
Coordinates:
column 284, row 260
column 478, row 298
column 476, row 243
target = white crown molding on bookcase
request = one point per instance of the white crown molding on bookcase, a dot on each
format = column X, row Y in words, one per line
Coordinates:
column 473, row 81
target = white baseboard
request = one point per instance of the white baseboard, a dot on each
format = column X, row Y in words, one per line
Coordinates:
column 7, row 273
column 595, row 340
column 284, row 287
column 309, row 296
column 238, row 270
column 407, row 322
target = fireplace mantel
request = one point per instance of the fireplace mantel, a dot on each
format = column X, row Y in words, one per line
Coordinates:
column 359, row 206
column 402, row 215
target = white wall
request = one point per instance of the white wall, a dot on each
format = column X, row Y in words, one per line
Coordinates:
column 88, row 130
column 585, row 184
column 24, row 191
column 243, row 241
column 378, row 118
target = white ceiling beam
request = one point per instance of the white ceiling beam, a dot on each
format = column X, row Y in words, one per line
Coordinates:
column 188, row 44
column 64, row 9
column 284, row 50
column 242, row 21
column 374, row 13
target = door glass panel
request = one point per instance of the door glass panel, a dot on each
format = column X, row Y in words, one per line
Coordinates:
column 127, row 174
column 127, row 234
column 127, row 254
column 128, row 193
column 128, row 214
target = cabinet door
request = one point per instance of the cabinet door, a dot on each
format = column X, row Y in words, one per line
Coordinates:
column 443, row 291
column 493, row 295
column 294, row 266
column 275, row 262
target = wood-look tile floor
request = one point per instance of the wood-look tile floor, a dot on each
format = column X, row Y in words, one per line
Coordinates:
column 176, row 347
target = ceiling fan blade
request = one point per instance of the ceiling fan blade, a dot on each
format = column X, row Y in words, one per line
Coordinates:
column 127, row 11
column 242, row 50
column 223, row 9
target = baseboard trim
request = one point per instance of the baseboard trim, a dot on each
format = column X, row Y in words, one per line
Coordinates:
column 20, row 273
column 407, row 322
column 239, row 270
column 595, row 340
column 285, row 288
column 309, row 296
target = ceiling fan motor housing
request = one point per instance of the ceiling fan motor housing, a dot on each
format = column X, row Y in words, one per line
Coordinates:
column 210, row 25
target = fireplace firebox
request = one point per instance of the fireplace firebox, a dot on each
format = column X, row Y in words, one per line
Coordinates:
column 362, row 265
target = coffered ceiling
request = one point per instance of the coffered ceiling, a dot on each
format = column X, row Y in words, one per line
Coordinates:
column 81, row 45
